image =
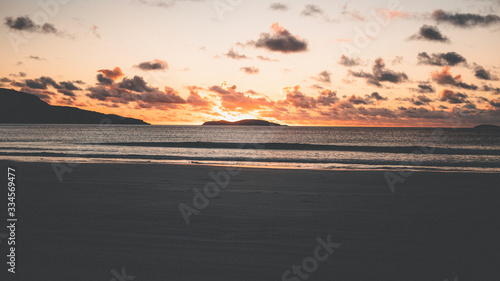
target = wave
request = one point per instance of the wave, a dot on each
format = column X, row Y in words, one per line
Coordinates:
column 374, row 162
column 317, row 147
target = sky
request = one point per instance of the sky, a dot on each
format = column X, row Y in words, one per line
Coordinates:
column 311, row 63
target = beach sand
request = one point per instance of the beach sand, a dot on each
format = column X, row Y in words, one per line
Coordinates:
column 125, row 218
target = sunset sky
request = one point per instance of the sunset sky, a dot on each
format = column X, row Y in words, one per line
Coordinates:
column 336, row 63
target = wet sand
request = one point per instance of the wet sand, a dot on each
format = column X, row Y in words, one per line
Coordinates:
column 126, row 218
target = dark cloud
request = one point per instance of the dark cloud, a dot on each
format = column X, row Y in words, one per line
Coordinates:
column 21, row 24
column 278, row 7
column 444, row 77
column 424, row 89
column 153, row 65
column 66, row 92
column 112, row 74
column 377, row 96
column 430, row 33
column 327, row 98
column 312, row 11
column 250, row 69
column 235, row 55
column 147, row 97
column 69, row 86
column 136, row 84
column 24, row 23
column 358, row 100
column 465, row 20
column 104, row 80
column 22, row 74
column 346, row 61
column 296, row 98
column 481, row 73
column 380, row 74
column 420, row 100
column 281, row 40
column 441, row 59
column 324, row 77
column 42, row 83
column 452, row 97
column 495, row 103
column 496, row 91
column 35, row 84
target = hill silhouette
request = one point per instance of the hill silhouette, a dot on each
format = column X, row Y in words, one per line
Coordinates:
column 23, row 108
column 246, row 122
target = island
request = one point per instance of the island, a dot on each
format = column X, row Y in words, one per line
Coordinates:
column 487, row 127
column 246, row 122
column 23, row 108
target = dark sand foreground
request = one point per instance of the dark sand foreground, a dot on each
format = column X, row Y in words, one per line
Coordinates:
column 125, row 217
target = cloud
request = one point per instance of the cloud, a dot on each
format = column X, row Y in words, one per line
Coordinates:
column 235, row 55
column 444, row 77
column 377, row 96
column 346, row 61
column 380, row 74
column 424, row 89
column 104, row 80
column 495, row 103
column 351, row 14
column 35, row 84
column 250, row 69
column 112, row 74
column 465, row 20
column 152, row 65
column 278, row 7
column 36, row 58
column 358, row 100
column 295, row 97
column 94, row 28
column 195, row 99
column 158, row 3
column 324, row 77
column 24, row 23
column 312, row 11
column 233, row 100
column 136, row 90
column 327, row 98
column 262, row 58
column 280, row 40
column 483, row 74
column 136, row 84
column 452, row 97
column 441, row 59
column 430, row 33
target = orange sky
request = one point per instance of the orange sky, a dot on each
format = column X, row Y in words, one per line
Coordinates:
column 354, row 63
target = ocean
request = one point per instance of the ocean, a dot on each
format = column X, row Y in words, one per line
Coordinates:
column 449, row 149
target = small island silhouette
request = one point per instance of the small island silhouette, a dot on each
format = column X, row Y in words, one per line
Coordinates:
column 487, row 127
column 23, row 108
column 246, row 122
